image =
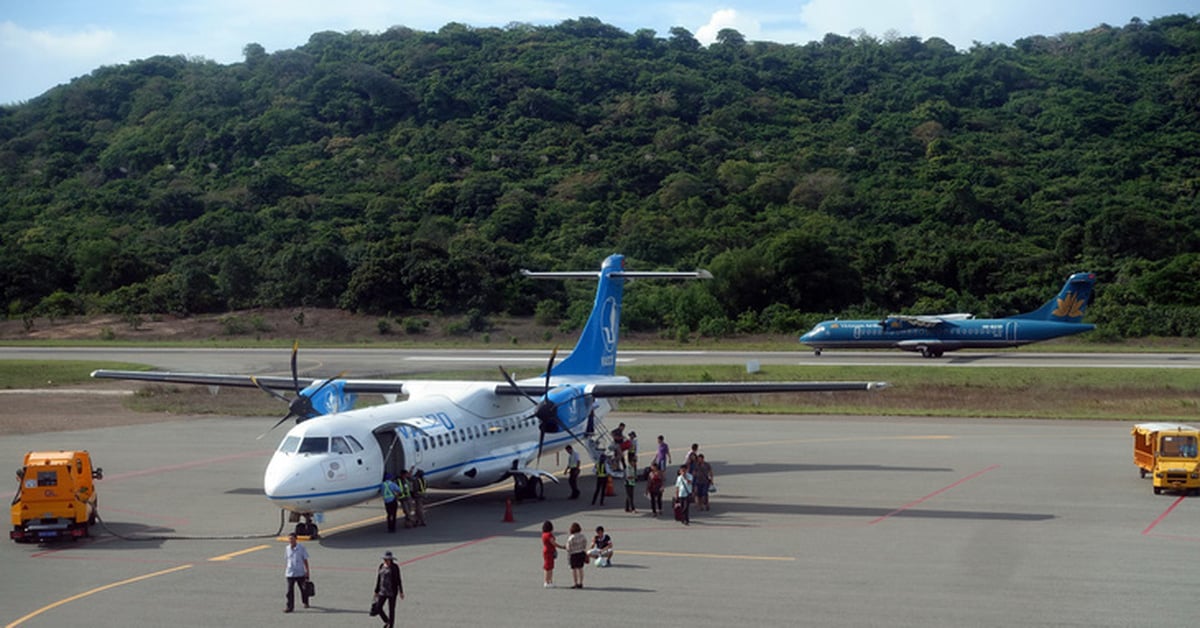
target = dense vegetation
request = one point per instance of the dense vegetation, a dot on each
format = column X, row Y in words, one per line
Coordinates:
column 409, row 170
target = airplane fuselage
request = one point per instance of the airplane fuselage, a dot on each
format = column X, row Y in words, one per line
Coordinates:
column 963, row 334
column 460, row 434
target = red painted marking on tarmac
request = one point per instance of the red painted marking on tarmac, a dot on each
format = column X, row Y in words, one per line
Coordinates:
column 1160, row 518
column 448, row 550
column 932, row 495
column 186, row 465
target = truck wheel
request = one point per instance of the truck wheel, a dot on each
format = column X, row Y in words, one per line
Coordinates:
column 1158, row 490
column 1143, row 473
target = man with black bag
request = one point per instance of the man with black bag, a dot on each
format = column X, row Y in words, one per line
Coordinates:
column 387, row 587
column 296, row 571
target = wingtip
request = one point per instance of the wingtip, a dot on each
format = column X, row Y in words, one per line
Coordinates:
column 877, row 385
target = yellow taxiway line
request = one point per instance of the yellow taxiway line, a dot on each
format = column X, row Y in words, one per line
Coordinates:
column 232, row 555
column 94, row 591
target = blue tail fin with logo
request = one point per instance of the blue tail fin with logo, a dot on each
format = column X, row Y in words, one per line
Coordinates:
column 1070, row 304
column 596, row 351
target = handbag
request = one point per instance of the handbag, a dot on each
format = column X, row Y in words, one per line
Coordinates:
column 310, row 589
column 375, row 606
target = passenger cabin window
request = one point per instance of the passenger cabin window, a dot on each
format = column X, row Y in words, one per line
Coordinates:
column 314, row 445
column 289, row 444
column 339, row 445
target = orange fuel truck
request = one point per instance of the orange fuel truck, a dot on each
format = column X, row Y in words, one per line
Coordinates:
column 56, row 498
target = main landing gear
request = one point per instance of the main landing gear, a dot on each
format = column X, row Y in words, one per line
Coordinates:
column 930, row 352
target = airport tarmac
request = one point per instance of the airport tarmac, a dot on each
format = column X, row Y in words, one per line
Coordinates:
column 818, row 521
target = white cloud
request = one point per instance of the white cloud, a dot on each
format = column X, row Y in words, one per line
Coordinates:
column 727, row 18
column 82, row 44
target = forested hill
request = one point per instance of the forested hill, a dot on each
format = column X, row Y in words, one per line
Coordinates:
column 407, row 171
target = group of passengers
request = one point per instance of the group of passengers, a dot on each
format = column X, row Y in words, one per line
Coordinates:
column 600, row 552
column 618, row 465
column 408, row 493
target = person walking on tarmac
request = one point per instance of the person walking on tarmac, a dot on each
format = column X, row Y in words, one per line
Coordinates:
column 391, row 492
column 296, row 571
column 601, row 479
column 573, row 472
column 388, row 587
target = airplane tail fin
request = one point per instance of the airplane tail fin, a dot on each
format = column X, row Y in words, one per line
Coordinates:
column 1070, row 304
column 596, row 351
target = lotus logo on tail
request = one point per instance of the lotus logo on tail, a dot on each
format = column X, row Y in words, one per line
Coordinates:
column 1070, row 306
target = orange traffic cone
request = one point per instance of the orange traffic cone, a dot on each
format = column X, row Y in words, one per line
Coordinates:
column 508, row 518
column 608, row 491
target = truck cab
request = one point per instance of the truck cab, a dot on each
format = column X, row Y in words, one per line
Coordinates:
column 56, row 498
column 1168, row 453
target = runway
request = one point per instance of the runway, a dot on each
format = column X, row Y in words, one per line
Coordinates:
column 818, row 521
column 364, row 362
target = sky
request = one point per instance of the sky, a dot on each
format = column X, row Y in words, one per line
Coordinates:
column 44, row 43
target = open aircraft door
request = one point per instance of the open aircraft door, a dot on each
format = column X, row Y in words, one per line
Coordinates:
column 397, row 450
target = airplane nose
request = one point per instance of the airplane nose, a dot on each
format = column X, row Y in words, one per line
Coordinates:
column 285, row 482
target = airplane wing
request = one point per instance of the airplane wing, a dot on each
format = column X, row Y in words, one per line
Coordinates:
column 672, row 389
column 366, row 386
column 929, row 321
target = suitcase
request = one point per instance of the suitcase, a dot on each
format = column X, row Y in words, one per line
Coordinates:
column 310, row 589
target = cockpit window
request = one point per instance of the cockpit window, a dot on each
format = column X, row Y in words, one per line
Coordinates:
column 314, row 445
column 339, row 445
column 289, row 444
column 354, row 444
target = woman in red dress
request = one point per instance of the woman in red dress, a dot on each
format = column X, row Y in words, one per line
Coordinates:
column 549, row 553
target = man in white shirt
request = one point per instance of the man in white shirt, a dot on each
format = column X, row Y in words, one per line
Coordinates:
column 573, row 463
column 296, row 571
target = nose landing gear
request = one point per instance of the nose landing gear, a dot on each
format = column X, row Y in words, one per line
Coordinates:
column 306, row 527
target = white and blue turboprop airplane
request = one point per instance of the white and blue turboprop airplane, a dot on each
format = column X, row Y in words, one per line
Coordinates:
column 934, row 334
column 460, row 434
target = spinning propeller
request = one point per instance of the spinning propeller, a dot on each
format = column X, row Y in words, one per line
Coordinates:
column 301, row 406
column 545, row 410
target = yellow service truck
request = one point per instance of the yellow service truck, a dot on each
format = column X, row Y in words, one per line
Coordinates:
column 56, row 498
column 1168, row 453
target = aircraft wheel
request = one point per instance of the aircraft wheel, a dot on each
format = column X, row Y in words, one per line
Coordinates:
column 817, row 352
column 926, row 352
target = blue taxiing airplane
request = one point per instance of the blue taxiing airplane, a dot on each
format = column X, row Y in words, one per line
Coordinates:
column 933, row 335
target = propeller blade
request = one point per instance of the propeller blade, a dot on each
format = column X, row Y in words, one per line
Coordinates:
column 541, row 440
column 513, row 383
column 577, row 438
column 550, row 367
column 277, row 424
column 295, row 375
column 269, row 391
